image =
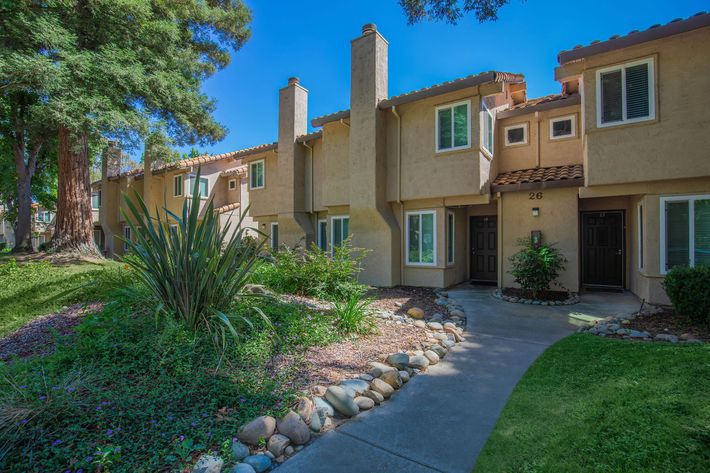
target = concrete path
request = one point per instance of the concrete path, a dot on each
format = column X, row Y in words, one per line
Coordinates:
column 440, row 421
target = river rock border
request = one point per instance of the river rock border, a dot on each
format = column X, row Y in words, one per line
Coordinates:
column 616, row 326
column 266, row 442
column 573, row 298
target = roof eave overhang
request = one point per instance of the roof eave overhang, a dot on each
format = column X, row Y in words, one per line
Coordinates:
column 566, row 102
column 527, row 186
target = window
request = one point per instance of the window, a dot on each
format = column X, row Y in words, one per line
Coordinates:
column 450, row 237
column 421, row 238
column 340, row 230
column 685, row 231
column 96, row 200
column 452, row 127
column 322, row 234
column 488, row 124
column 275, row 236
column 204, row 187
column 232, row 184
column 256, row 174
column 625, row 94
column 177, row 186
column 640, row 236
column 562, row 127
column 516, row 134
column 126, row 236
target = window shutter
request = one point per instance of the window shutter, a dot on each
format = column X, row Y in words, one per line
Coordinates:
column 637, row 105
column 611, row 98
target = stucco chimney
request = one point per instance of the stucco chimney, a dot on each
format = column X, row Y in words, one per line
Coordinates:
column 372, row 221
column 294, row 225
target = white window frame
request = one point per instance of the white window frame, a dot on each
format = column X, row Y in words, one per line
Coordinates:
column 640, row 233
column 319, row 241
column 484, row 131
column 651, row 92
column 420, row 213
column 198, row 182
column 332, row 230
column 524, row 126
column 450, row 233
column 691, row 226
column 573, row 128
column 178, row 188
column 251, row 174
column 274, row 244
column 232, row 184
column 98, row 193
column 453, row 133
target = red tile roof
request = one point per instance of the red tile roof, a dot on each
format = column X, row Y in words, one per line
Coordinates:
column 567, row 175
column 677, row 26
column 541, row 103
column 227, row 208
column 237, row 171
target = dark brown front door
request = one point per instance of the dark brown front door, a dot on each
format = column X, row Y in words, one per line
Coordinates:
column 603, row 249
column 484, row 240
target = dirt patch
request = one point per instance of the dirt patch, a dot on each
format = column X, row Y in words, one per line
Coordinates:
column 37, row 337
column 400, row 299
column 541, row 295
column 668, row 321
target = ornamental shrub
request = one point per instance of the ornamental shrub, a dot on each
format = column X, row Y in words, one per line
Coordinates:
column 689, row 291
column 536, row 268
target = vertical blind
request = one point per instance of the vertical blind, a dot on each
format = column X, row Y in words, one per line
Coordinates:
column 625, row 93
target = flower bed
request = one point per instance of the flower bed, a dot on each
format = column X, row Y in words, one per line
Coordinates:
column 518, row 296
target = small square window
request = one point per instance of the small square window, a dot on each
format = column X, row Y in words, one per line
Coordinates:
column 232, row 184
column 516, row 134
column 562, row 127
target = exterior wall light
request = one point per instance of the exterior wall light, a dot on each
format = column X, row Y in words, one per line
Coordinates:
column 536, row 211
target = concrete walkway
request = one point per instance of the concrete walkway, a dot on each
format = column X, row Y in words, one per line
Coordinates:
column 440, row 421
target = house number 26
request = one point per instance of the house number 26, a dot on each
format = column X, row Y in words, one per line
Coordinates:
column 535, row 195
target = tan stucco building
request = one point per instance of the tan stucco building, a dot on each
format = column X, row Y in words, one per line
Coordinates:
column 441, row 183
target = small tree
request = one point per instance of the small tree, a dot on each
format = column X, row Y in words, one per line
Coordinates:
column 535, row 268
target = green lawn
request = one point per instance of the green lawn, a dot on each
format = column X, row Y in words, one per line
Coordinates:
column 31, row 289
column 590, row 404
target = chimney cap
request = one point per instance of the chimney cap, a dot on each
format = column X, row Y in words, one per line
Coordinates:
column 368, row 28
column 293, row 80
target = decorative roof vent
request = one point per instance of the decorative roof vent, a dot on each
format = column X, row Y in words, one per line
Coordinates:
column 293, row 80
column 368, row 28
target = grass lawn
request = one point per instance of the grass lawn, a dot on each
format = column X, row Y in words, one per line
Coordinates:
column 36, row 288
column 590, row 404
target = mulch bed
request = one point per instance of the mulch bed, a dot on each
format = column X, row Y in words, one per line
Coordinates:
column 541, row 295
column 37, row 337
column 668, row 321
column 400, row 299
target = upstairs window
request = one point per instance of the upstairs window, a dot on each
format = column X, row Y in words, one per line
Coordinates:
column 625, row 93
column 453, row 130
column 203, row 187
column 96, row 200
column 177, row 186
column 516, row 134
column 487, row 126
column 256, row 174
column 562, row 127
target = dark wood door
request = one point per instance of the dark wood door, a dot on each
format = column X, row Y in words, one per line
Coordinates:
column 484, row 251
column 603, row 249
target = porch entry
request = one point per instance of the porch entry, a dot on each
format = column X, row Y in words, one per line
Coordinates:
column 484, row 249
column 603, row 249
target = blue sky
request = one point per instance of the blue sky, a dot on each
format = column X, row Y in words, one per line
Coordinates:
column 311, row 40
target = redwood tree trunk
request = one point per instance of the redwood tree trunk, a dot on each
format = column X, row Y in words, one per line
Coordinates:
column 73, row 225
column 23, row 226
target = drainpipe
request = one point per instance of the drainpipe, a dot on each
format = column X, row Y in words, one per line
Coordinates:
column 310, row 155
column 399, row 192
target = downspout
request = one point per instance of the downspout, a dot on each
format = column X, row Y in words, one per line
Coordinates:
column 399, row 192
column 310, row 153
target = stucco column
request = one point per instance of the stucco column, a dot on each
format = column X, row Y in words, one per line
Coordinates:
column 294, row 225
column 372, row 222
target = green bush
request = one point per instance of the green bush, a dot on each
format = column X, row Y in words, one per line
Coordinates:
column 354, row 315
column 689, row 291
column 196, row 269
column 536, row 268
column 314, row 272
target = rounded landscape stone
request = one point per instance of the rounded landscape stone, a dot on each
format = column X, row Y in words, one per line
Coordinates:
column 398, row 360
column 419, row 362
column 435, row 326
column 277, row 444
column 415, row 313
column 379, row 368
column 260, row 463
column 239, row 450
column 439, row 350
column 404, row 375
column 293, row 427
column 375, row 396
column 456, row 313
column 433, row 357
column 342, row 401
column 364, row 403
column 382, row 387
column 419, row 324
column 359, row 386
column 304, row 408
column 324, row 406
column 260, row 428
column 243, row 468
column 208, row 464
column 392, row 378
